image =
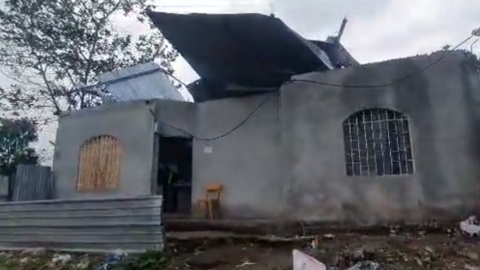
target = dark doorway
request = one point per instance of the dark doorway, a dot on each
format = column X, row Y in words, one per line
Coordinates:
column 175, row 174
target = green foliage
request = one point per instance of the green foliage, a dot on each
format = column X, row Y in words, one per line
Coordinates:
column 54, row 45
column 150, row 260
column 15, row 138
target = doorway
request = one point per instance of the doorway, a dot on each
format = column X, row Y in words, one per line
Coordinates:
column 174, row 179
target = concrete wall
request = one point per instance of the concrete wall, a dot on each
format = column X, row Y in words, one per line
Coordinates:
column 92, row 225
column 175, row 118
column 131, row 123
column 246, row 161
column 442, row 105
column 287, row 161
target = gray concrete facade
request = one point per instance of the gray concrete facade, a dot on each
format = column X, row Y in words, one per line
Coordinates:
column 288, row 162
column 230, row 160
column 131, row 123
column 441, row 103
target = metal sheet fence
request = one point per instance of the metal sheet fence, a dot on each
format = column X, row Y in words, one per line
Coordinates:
column 4, row 188
column 32, row 183
column 93, row 225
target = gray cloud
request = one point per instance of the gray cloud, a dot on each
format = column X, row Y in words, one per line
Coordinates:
column 317, row 19
column 377, row 29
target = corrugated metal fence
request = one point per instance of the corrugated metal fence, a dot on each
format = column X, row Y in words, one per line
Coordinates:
column 93, row 225
column 32, row 183
column 4, row 188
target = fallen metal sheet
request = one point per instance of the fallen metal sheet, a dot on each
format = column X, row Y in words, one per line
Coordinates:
column 251, row 50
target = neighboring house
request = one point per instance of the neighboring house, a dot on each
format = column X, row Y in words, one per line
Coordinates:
column 384, row 141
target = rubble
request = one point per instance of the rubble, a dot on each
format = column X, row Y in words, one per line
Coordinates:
column 419, row 249
column 470, row 226
column 61, row 259
column 415, row 250
column 48, row 260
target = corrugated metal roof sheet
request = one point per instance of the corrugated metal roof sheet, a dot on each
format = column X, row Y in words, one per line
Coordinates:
column 141, row 82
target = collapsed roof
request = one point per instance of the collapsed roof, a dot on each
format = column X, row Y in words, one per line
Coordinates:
column 238, row 54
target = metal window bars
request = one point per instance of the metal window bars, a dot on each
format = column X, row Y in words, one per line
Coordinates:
column 377, row 142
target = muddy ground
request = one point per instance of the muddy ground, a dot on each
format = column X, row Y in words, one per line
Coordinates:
column 413, row 250
column 214, row 250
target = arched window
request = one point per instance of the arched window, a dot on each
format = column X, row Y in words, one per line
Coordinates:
column 100, row 164
column 377, row 142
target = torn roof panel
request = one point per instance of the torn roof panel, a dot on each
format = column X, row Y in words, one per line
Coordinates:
column 338, row 54
column 244, row 49
column 141, row 82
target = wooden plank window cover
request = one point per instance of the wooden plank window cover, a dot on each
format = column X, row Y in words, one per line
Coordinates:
column 100, row 164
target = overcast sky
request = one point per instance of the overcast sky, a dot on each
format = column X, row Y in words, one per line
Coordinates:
column 377, row 29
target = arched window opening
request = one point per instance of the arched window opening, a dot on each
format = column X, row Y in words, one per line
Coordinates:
column 100, row 164
column 377, row 142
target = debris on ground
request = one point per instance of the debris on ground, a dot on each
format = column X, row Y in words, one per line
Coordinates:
column 405, row 250
column 48, row 260
column 470, row 226
column 408, row 250
column 302, row 261
column 51, row 260
column 113, row 258
column 365, row 265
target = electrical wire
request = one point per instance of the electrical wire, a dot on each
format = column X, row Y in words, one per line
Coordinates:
column 224, row 134
column 394, row 81
column 398, row 80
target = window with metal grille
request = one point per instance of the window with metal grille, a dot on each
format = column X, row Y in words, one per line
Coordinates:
column 377, row 142
column 100, row 164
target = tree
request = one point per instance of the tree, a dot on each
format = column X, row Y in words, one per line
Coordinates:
column 55, row 45
column 15, row 138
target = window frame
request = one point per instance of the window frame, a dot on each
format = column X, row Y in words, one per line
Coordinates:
column 85, row 160
column 399, row 155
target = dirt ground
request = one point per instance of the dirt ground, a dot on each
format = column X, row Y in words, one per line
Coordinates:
column 415, row 250
column 221, row 251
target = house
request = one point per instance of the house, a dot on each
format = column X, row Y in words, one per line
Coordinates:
column 330, row 140
column 395, row 140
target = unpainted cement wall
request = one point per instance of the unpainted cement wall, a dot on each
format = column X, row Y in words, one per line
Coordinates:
column 131, row 123
column 442, row 103
column 175, row 118
column 287, row 161
column 245, row 162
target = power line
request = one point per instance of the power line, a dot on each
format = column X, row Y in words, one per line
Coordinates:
column 252, row 113
column 394, row 81
column 398, row 80
column 226, row 133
